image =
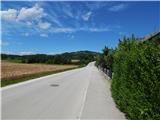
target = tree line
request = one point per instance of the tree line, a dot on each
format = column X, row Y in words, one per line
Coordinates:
column 81, row 57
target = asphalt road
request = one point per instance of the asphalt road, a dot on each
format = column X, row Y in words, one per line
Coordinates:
column 76, row 94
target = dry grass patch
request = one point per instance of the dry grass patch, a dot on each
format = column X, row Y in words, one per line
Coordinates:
column 13, row 71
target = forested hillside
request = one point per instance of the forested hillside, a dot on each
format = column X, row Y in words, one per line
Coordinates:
column 80, row 57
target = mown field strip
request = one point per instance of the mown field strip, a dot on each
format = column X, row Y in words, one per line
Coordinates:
column 17, row 72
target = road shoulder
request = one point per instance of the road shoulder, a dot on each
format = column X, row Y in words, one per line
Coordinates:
column 99, row 104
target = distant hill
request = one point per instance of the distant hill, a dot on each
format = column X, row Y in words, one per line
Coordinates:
column 80, row 54
column 79, row 57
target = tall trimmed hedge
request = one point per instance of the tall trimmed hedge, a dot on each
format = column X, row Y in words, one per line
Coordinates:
column 136, row 80
column 105, row 60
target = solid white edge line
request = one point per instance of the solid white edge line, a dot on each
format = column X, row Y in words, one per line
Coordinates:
column 34, row 80
column 84, row 99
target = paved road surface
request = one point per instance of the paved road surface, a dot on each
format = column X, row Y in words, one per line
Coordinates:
column 76, row 94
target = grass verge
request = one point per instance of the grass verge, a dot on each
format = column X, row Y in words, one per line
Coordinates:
column 5, row 82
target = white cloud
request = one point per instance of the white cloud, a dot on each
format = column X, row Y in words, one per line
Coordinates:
column 9, row 15
column 33, row 13
column 33, row 18
column 117, row 7
column 24, row 14
column 43, row 35
column 27, row 16
column 86, row 16
column 44, row 25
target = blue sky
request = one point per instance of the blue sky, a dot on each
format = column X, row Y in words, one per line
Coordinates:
column 57, row 27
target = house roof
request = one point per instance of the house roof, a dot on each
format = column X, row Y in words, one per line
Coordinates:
column 151, row 36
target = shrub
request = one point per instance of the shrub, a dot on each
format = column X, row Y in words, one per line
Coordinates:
column 136, row 80
column 105, row 60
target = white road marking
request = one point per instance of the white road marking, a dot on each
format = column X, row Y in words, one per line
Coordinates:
column 34, row 80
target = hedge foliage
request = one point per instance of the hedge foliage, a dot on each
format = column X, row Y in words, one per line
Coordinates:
column 136, row 79
column 105, row 60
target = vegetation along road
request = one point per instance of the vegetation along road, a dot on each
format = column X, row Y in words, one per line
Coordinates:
column 76, row 94
column 17, row 72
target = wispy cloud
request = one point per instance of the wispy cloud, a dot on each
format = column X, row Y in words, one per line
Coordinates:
column 87, row 16
column 55, row 20
column 71, row 30
column 53, row 17
column 95, row 29
column 63, row 18
column 63, row 30
column 43, row 35
column 99, row 29
column 44, row 25
column 96, row 5
column 67, row 9
column 118, row 7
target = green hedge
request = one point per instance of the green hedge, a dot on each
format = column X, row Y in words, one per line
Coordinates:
column 136, row 80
